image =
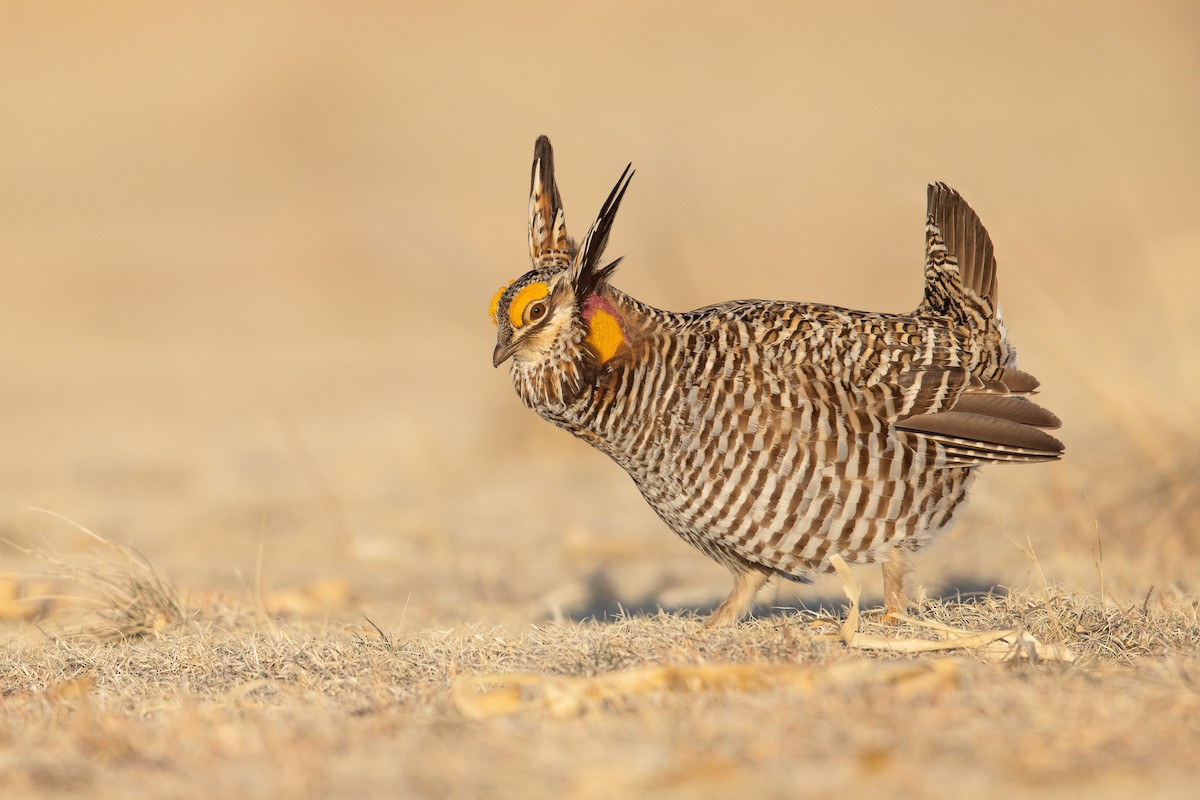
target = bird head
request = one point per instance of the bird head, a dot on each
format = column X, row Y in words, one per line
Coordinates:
column 558, row 300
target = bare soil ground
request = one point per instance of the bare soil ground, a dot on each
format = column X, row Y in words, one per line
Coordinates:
column 273, row 526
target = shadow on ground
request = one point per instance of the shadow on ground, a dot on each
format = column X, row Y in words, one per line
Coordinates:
column 604, row 601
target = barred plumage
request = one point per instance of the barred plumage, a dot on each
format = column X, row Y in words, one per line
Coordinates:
column 773, row 435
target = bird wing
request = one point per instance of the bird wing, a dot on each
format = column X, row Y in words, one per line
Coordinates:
column 979, row 422
column 920, row 377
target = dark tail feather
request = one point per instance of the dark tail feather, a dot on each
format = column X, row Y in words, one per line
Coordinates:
column 981, row 438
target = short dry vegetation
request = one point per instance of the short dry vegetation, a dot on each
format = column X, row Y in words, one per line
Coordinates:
column 245, row 256
column 142, row 683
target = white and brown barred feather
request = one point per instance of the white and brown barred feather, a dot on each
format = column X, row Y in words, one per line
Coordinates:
column 549, row 244
column 774, row 435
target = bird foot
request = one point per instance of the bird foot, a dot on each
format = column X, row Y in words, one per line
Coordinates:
column 1000, row 645
column 745, row 587
column 900, row 612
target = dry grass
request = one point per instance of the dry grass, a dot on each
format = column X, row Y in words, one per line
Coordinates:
column 245, row 255
column 131, row 597
column 216, row 698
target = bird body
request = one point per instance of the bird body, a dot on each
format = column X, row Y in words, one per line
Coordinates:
column 770, row 435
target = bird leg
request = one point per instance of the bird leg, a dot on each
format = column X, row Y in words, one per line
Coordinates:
column 895, row 571
column 1001, row 645
column 746, row 584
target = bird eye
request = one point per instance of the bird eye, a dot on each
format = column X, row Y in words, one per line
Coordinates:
column 528, row 305
column 535, row 311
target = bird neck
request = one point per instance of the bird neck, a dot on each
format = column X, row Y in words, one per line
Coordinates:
column 603, row 333
column 553, row 381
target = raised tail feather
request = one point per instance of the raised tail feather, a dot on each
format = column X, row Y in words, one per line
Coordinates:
column 960, row 263
column 988, row 418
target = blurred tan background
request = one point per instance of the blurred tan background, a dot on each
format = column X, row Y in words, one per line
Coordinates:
column 246, row 251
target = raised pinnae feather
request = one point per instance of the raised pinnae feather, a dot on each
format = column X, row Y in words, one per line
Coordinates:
column 589, row 276
column 549, row 243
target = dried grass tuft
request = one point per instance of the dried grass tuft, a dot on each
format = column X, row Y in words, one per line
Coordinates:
column 133, row 598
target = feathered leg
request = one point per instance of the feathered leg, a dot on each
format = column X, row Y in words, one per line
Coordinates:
column 895, row 572
column 746, row 584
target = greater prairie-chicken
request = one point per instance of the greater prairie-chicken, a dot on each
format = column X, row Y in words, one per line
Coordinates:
column 773, row 436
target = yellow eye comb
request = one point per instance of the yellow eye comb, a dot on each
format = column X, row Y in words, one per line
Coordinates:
column 527, row 295
column 496, row 302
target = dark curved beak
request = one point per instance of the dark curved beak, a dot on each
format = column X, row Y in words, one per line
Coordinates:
column 502, row 353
